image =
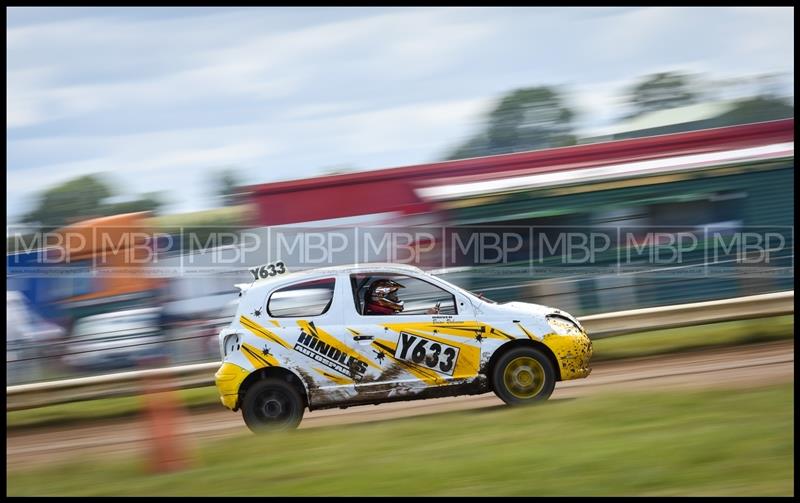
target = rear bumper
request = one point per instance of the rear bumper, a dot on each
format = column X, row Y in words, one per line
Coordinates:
column 228, row 379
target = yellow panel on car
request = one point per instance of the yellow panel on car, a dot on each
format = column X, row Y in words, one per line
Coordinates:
column 228, row 379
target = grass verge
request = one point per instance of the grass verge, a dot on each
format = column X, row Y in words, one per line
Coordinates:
column 627, row 346
column 675, row 340
column 666, row 443
column 107, row 408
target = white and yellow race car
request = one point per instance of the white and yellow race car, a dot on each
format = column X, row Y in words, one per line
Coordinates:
column 373, row 333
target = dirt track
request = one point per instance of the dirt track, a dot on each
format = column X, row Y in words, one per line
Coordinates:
column 739, row 367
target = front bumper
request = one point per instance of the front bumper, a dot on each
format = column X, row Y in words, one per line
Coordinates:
column 573, row 353
column 228, row 379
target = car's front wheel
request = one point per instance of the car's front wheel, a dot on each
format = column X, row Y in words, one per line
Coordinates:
column 523, row 375
column 272, row 404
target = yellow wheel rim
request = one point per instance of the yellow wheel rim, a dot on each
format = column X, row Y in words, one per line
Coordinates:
column 524, row 377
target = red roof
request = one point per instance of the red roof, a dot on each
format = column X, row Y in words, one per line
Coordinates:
column 391, row 189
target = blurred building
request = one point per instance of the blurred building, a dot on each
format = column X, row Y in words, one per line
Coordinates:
column 705, row 115
column 738, row 176
column 394, row 194
column 95, row 269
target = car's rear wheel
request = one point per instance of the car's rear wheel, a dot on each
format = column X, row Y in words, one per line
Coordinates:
column 272, row 404
column 523, row 376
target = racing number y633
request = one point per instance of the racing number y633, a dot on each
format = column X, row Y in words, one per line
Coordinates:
column 432, row 354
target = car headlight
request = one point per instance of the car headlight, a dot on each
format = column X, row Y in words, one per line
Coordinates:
column 563, row 325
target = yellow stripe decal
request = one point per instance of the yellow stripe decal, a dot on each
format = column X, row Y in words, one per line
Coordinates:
column 531, row 337
column 328, row 339
column 340, row 380
column 262, row 332
column 469, row 330
column 468, row 358
column 422, row 373
column 257, row 357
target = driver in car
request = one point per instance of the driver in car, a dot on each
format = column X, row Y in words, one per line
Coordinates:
column 382, row 299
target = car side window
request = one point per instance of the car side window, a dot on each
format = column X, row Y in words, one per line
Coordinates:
column 309, row 298
column 397, row 295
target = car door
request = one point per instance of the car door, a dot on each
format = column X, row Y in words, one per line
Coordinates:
column 305, row 320
column 415, row 348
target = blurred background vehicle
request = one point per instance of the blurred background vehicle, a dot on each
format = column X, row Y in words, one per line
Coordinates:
column 119, row 340
column 27, row 337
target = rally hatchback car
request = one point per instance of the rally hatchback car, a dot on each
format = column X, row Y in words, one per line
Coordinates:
column 376, row 333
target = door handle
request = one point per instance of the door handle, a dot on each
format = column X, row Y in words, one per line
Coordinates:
column 363, row 338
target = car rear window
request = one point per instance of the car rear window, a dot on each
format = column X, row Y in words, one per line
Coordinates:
column 309, row 298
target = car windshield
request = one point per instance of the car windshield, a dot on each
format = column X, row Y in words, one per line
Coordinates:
column 477, row 295
column 481, row 296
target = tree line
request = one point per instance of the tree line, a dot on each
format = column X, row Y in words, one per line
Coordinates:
column 524, row 119
column 541, row 117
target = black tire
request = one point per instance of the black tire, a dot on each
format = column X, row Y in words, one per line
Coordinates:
column 533, row 381
column 272, row 404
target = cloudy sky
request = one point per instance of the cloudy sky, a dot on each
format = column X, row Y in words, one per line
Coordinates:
column 161, row 97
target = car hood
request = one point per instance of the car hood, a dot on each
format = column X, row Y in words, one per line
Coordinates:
column 524, row 309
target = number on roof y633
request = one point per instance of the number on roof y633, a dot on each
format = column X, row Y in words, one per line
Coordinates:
column 267, row 270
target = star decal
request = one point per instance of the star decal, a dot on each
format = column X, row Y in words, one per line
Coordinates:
column 479, row 337
column 265, row 351
column 257, row 312
column 380, row 355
